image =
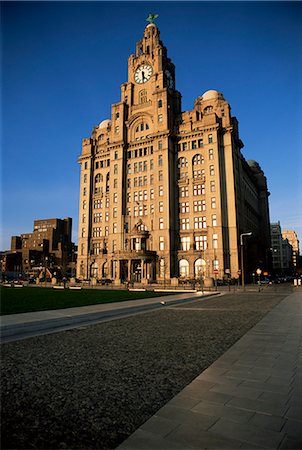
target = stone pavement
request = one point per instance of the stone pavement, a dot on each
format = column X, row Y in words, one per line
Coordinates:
column 250, row 398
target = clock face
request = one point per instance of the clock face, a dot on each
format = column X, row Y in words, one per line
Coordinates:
column 169, row 78
column 143, row 74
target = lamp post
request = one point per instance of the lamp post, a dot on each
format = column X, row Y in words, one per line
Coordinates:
column 242, row 259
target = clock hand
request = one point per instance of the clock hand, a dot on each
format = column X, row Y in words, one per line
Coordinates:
column 143, row 75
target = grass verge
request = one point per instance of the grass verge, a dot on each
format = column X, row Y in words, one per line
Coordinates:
column 29, row 299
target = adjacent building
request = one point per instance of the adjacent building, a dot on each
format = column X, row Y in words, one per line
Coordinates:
column 293, row 240
column 49, row 244
column 166, row 194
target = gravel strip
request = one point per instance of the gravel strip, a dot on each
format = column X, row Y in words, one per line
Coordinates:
column 90, row 388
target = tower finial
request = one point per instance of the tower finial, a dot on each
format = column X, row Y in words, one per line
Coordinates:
column 152, row 17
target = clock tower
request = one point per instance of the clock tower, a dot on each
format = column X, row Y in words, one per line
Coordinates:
column 152, row 112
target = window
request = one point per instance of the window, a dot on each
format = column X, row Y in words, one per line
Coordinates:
column 200, row 242
column 151, row 179
column 84, row 218
column 185, row 223
column 160, row 103
column 161, row 207
column 200, row 143
column 151, row 164
column 117, row 115
column 85, row 178
column 115, row 197
column 182, row 162
column 160, row 145
column 183, row 268
column 82, row 250
column 162, row 267
column 200, row 222
column 214, row 220
column 161, row 191
column 97, row 204
column 115, row 183
column 160, row 118
column 212, row 171
column 143, row 96
column 161, row 243
column 116, row 155
column 215, row 264
column 84, row 192
column 145, row 194
column 185, row 243
column 198, row 189
column 114, row 213
column 97, row 232
column 194, row 145
column 210, row 138
column 128, row 168
column 114, row 228
column 160, row 160
column 184, row 191
column 213, row 202
column 84, row 204
column 208, row 109
column 152, row 194
column 97, row 217
column 215, row 241
column 115, row 169
column 107, row 216
column 211, row 153
column 199, row 267
column 199, row 205
column 161, row 223
column 184, row 146
column 117, row 129
column 197, row 159
column 83, row 234
column 184, row 207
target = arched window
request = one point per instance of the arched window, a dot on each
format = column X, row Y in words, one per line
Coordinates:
column 143, row 96
column 94, row 270
column 162, row 267
column 182, row 162
column 208, row 109
column 197, row 159
column 98, row 178
column 105, row 270
column 199, row 268
column 183, row 268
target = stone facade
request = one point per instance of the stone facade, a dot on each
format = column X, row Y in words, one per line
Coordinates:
column 165, row 194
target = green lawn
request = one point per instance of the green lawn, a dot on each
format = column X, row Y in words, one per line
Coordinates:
column 18, row 300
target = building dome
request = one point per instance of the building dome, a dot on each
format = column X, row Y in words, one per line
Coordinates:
column 211, row 94
column 104, row 124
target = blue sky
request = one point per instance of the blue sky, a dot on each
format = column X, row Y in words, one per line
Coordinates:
column 63, row 64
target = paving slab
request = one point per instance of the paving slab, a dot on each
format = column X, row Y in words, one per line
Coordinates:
column 251, row 397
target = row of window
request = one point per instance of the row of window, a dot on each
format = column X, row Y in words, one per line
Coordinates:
column 196, row 160
column 196, row 143
column 200, row 243
column 138, row 152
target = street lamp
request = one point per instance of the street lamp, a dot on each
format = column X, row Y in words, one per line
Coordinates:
column 242, row 259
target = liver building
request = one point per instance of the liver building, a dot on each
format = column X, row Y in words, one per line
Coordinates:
column 165, row 195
